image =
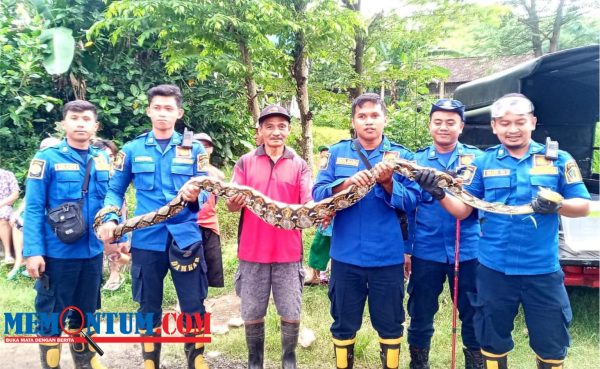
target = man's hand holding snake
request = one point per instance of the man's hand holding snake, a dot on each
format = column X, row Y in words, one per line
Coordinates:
column 428, row 181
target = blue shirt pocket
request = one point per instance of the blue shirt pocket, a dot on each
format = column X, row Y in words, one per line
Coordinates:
column 102, row 177
column 143, row 176
column 543, row 181
column 181, row 173
column 497, row 189
column 68, row 185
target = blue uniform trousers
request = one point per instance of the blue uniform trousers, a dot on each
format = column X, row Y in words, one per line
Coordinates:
column 148, row 271
column 425, row 286
column 349, row 287
column 70, row 282
column 545, row 304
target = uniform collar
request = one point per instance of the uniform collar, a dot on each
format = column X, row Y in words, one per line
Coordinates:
column 459, row 149
column 175, row 139
column 385, row 145
column 287, row 153
column 534, row 148
column 64, row 148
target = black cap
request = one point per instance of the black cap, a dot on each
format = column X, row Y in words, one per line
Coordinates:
column 272, row 110
column 185, row 260
column 450, row 105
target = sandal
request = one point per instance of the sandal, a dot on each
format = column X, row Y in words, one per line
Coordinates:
column 113, row 285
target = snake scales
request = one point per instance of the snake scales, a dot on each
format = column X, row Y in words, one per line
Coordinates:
column 289, row 216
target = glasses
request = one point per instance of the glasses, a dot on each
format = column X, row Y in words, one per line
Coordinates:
column 516, row 105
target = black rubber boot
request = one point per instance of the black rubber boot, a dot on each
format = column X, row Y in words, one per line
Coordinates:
column 549, row 364
column 50, row 355
column 84, row 355
column 419, row 357
column 194, row 352
column 255, row 341
column 473, row 359
column 390, row 352
column 499, row 361
column 289, row 341
column 344, row 353
column 150, row 353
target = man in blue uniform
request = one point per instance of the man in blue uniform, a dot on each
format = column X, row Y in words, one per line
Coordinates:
column 68, row 274
column 434, row 239
column 518, row 255
column 159, row 164
column 367, row 249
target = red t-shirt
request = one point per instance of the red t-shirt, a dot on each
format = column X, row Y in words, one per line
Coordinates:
column 289, row 181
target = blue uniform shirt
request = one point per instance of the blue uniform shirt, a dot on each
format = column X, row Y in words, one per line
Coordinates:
column 157, row 177
column 522, row 244
column 56, row 176
column 368, row 233
column 433, row 229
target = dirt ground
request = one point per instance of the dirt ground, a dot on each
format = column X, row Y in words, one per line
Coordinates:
column 128, row 356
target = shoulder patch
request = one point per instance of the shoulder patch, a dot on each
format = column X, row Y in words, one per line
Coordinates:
column 572, row 173
column 37, row 168
column 324, row 161
column 101, row 163
column 202, row 162
column 119, row 161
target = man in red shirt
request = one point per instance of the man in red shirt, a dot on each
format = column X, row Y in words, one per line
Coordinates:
column 270, row 258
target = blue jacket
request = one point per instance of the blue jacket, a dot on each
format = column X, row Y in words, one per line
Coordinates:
column 368, row 233
column 56, row 176
column 433, row 229
column 522, row 244
column 157, row 177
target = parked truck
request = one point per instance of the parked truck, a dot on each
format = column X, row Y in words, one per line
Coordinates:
column 564, row 89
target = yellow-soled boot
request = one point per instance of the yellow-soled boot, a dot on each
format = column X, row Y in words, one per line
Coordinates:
column 84, row 355
column 50, row 355
column 194, row 352
column 494, row 361
column 549, row 364
column 150, row 352
column 390, row 352
column 344, row 353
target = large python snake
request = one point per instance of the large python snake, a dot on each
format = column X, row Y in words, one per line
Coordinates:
column 290, row 216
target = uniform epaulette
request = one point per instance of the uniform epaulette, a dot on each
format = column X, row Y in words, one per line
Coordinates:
column 471, row 146
column 340, row 141
column 142, row 135
column 422, row 149
column 394, row 144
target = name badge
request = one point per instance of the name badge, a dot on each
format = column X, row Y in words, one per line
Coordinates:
column 347, row 161
column 496, row 172
column 66, row 167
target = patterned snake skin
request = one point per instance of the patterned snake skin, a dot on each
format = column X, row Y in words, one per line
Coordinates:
column 288, row 216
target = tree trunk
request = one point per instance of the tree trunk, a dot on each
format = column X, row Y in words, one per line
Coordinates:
column 533, row 23
column 251, row 89
column 300, row 73
column 359, row 52
column 556, row 27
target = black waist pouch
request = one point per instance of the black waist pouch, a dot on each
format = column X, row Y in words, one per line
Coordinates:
column 67, row 222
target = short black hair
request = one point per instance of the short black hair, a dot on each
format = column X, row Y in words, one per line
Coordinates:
column 79, row 106
column 368, row 97
column 102, row 144
column 167, row 91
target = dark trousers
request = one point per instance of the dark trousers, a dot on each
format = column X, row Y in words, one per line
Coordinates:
column 213, row 256
column 69, row 282
column 349, row 287
column 545, row 304
column 425, row 286
column 148, row 270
